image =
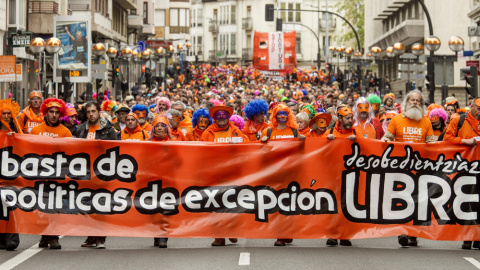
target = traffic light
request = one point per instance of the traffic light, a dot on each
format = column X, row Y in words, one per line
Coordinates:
column 471, row 76
column 269, row 16
column 117, row 72
column 98, row 83
column 112, row 74
column 279, row 25
column 429, row 84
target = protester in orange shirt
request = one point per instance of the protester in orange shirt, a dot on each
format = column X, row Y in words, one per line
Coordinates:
column 142, row 113
column 53, row 109
column 31, row 116
column 222, row 131
column 282, row 125
column 255, row 112
column 411, row 125
column 201, row 121
column 185, row 125
column 437, row 118
column 302, row 120
column 318, row 124
column 133, row 131
column 451, row 107
column 363, row 114
column 174, row 118
column 9, row 111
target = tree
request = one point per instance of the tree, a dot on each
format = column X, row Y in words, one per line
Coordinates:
column 354, row 12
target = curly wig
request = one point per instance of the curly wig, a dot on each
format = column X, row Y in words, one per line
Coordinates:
column 201, row 113
column 66, row 118
column 151, row 108
column 374, row 99
column 291, row 118
column 238, row 121
column 441, row 113
column 308, row 109
column 14, row 108
column 47, row 103
column 109, row 105
column 163, row 100
column 255, row 107
column 140, row 107
column 216, row 102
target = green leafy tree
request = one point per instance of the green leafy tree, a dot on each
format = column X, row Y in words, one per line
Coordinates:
column 353, row 11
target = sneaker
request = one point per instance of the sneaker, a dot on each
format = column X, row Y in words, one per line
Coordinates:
column 279, row 243
column 11, row 246
column 467, row 245
column 156, row 242
column 403, row 240
column 288, row 241
column 99, row 244
column 43, row 242
column 476, row 244
column 345, row 243
column 89, row 242
column 218, row 242
column 54, row 244
column 332, row 242
column 233, row 240
column 162, row 243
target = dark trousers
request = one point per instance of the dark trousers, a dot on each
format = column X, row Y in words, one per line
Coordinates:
column 7, row 238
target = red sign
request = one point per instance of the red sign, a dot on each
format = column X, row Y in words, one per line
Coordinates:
column 274, row 51
column 474, row 63
column 158, row 43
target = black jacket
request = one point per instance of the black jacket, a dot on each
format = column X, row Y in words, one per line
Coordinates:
column 104, row 132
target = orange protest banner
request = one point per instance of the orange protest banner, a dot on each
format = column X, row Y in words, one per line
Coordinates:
column 7, row 68
column 283, row 189
column 274, row 51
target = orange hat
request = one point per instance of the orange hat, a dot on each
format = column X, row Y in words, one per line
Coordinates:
column 132, row 114
column 390, row 115
column 345, row 111
column 215, row 109
column 71, row 112
column 35, row 94
column 160, row 119
column 477, row 101
column 325, row 116
column 382, row 116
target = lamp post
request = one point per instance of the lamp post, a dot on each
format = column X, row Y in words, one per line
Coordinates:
column 148, row 76
column 127, row 53
column 332, row 51
column 111, row 53
column 98, row 50
column 376, row 52
column 399, row 49
column 39, row 46
column 341, row 52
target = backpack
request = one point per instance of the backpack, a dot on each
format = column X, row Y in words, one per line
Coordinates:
column 459, row 126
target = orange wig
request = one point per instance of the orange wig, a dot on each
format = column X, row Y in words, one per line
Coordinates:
column 14, row 108
column 291, row 122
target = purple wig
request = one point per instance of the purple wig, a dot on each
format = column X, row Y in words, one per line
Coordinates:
column 441, row 113
column 66, row 118
column 356, row 113
column 238, row 121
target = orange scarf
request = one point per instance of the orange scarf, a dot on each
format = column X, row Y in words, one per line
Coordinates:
column 28, row 111
column 156, row 139
column 137, row 129
column 258, row 127
column 339, row 129
column 474, row 123
column 197, row 133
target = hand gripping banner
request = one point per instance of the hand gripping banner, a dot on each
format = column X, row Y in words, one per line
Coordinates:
column 284, row 189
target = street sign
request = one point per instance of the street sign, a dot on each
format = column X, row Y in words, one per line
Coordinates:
column 141, row 46
column 7, row 68
column 408, row 56
column 474, row 63
column 22, row 40
column 18, row 72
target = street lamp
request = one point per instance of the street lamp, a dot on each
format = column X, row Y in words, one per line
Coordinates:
column 111, row 53
column 39, row 46
column 332, row 50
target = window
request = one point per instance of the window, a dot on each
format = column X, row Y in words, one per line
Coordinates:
column 179, row 20
column 233, row 44
column 233, row 14
column 291, row 15
column 12, row 12
column 173, row 17
column 298, row 44
column 197, row 17
column 160, row 17
column 145, row 12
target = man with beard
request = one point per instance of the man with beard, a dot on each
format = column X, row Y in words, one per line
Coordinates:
column 121, row 113
column 142, row 112
column 375, row 104
column 464, row 130
column 163, row 105
column 31, row 115
column 363, row 114
column 200, row 121
column 255, row 112
column 318, row 124
column 343, row 128
column 53, row 109
column 185, row 125
column 96, row 128
column 412, row 126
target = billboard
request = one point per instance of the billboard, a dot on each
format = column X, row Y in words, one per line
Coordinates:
column 7, row 68
column 76, row 51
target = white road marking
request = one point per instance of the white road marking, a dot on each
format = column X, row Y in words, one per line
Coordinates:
column 473, row 261
column 243, row 260
column 20, row 258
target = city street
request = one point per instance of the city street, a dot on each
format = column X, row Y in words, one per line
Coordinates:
column 139, row 253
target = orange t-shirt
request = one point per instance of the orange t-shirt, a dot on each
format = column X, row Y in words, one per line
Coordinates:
column 368, row 131
column 279, row 134
column 32, row 120
column 91, row 131
column 59, row 131
column 408, row 130
column 186, row 125
column 226, row 135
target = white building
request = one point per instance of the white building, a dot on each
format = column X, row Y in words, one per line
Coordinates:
column 391, row 21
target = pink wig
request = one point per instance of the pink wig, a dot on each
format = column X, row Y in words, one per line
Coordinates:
column 238, row 121
column 356, row 114
column 66, row 118
column 216, row 102
column 441, row 113
column 388, row 115
column 163, row 100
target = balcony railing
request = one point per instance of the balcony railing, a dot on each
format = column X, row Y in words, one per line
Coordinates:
column 44, row 7
column 179, row 29
column 213, row 26
column 247, row 53
column 79, row 7
column 247, row 23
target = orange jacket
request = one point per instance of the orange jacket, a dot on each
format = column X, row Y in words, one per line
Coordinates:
column 469, row 129
column 136, row 135
column 177, row 135
column 194, row 135
column 28, row 120
column 186, row 125
column 146, row 126
column 215, row 134
column 251, row 129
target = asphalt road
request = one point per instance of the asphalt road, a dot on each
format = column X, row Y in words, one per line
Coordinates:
column 139, row 253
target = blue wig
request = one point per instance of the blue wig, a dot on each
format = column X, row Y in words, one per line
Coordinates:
column 255, row 107
column 151, row 107
column 304, row 92
column 140, row 107
column 201, row 113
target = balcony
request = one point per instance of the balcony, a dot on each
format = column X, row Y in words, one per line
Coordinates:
column 247, row 24
column 40, row 16
column 213, row 26
column 407, row 32
column 135, row 21
column 212, row 55
column 247, row 53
